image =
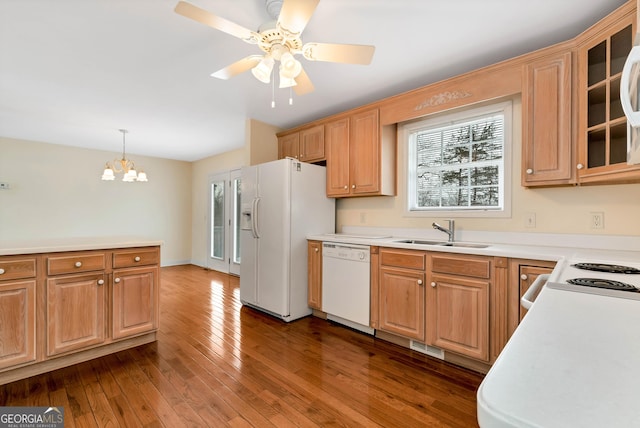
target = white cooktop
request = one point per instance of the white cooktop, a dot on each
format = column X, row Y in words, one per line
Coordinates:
column 574, row 361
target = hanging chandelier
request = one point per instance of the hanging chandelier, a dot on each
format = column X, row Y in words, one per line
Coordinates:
column 123, row 165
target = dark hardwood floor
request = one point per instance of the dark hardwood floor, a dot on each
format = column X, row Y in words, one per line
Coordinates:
column 217, row 363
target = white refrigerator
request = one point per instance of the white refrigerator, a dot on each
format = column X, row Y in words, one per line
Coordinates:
column 282, row 202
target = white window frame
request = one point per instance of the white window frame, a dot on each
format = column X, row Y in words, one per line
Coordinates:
column 451, row 118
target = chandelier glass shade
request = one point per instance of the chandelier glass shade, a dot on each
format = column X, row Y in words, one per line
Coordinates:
column 124, row 166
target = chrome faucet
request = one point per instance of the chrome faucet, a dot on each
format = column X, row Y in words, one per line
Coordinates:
column 449, row 231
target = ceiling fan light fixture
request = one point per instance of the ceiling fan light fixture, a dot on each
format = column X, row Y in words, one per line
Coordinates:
column 262, row 71
column 286, row 82
column 289, row 66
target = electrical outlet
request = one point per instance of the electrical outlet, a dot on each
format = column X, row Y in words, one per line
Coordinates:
column 530, row 220
column 597, row 220
column 363, row 217
column 4, row 186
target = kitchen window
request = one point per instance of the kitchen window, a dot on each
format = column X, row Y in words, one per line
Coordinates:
column 459, row 163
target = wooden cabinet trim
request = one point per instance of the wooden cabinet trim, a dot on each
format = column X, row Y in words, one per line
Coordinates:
column 17, row 267
column 136, row 257
column 462, row 265
column 78, row 262
column 409, row 259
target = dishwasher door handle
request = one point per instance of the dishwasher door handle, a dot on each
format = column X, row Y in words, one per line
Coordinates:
column 527, row 300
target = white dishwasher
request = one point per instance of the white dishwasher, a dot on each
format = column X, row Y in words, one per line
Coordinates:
column 345, row 284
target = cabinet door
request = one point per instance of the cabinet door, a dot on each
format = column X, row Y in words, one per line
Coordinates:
column 312, row 144
column 458, row 315
column 135, row 301
column 528, row 274
column 289, row 146
column 75, row 312
column 17, row 322
column 602, row 126
column 314, row 263
column 402, row 304
column 547, row 145
column 364, row 153
column 337, row 150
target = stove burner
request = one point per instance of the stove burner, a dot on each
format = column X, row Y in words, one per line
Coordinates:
column 603, row 283
column 603, row 267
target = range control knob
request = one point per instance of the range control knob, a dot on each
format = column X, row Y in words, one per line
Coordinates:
column 361, row 255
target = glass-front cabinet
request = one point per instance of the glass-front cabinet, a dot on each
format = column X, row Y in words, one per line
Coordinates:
column 602, row 126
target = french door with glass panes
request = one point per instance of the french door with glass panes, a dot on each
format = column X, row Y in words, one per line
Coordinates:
column 223, row 248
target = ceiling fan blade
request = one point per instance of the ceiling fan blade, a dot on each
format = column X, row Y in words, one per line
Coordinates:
column 303, row 84
column 295, row 14
column 350, row 54
column 194, row 12
column 237, row 67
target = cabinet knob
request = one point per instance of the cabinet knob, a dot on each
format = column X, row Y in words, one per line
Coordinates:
column 433, row 284
column 317, row 249
column 353, row 186
column 116, row 280
column 579, row 166
column 1, row 271
column 136, row 259
column 101, row 282
column 346, row 187
column 524, row 277
column 78, row 264
column 529, row 171
column 419, row 282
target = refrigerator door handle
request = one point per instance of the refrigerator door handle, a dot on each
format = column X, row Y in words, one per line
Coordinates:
column 254, row 218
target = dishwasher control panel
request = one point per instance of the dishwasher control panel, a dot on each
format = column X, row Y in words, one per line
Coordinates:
column 358, row 253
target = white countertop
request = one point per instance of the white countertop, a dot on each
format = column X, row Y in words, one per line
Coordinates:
column 74, row 244
column 511, row 245
column 572, row 362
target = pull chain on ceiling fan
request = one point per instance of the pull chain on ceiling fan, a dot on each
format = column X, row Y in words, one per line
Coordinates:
column 280, row 42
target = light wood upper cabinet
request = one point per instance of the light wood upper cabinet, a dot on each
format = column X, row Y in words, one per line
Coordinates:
column 547, row 143
column 337, row 149
column 360, row 156
column 458, row 304
column 306, row 145
column 602, row 126
column 312, row 144
column 18, row 309
column 314, row 271
column 289, row 146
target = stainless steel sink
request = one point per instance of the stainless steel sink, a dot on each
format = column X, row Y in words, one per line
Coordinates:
column 442, row 243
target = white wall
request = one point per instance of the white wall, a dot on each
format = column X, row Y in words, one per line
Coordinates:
column 56, row 192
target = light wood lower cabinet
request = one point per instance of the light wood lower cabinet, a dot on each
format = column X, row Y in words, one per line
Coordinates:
column 58, row 309
column 401, row 293
column 458, row 317
column 75, row 312
column 17, row 322
column 523, row 272
column 314, row 271
column 458, row 304
column 135, row 301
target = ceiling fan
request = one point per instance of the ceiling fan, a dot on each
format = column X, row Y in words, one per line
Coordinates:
column 280, row 41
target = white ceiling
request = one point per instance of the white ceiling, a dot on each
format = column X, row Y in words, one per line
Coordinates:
column 73, row 72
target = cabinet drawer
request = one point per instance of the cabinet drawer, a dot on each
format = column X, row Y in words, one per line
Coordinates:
column 75, row 262
column 135, row 257
column 477, row 267
column 403, row 258
column 17, row 268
